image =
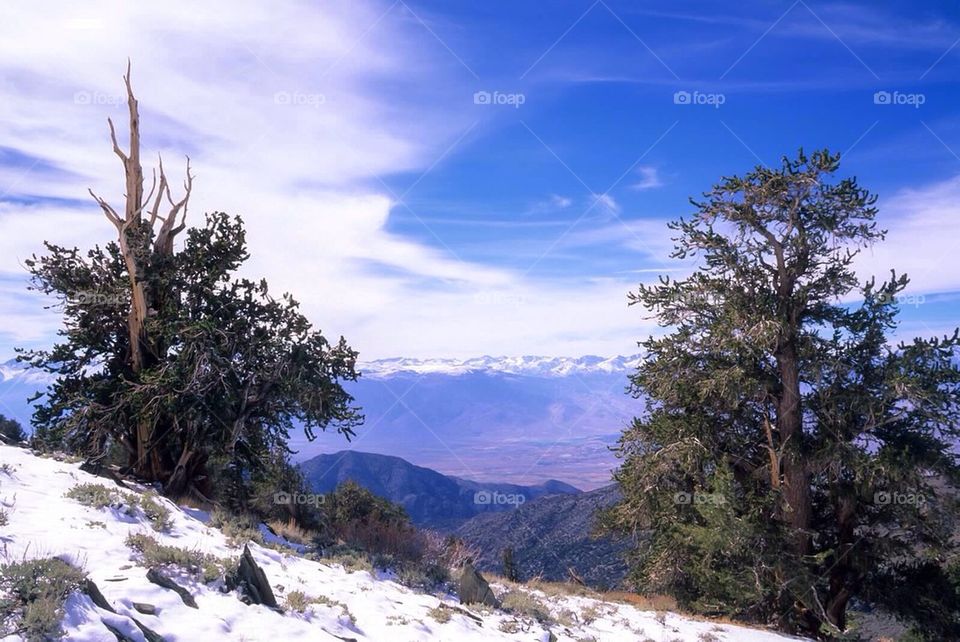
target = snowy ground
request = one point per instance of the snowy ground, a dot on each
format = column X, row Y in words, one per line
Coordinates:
column 44, row 523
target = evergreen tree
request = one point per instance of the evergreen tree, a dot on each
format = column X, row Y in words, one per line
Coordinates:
column 11, row 432
column 168, row 359
column 510, row 566
column 789, row 460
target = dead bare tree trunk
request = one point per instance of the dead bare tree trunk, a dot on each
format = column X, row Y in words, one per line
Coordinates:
column 141, row 243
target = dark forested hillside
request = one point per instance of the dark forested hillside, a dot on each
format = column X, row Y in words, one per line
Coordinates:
column 550, row 536
column 430, row 498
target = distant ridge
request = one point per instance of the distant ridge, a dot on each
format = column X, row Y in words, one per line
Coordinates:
column 429, row 497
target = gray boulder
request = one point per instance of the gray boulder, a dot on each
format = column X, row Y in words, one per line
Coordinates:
column 474, row 589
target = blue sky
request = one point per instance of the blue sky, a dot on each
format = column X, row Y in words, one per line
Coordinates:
column 455, row 179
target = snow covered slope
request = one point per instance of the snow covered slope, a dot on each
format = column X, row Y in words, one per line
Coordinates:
column 44, row 523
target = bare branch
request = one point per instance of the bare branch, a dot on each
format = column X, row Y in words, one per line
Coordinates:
column 108, row 210
column 116, row 146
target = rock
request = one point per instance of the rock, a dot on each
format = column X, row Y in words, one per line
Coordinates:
column 149, row 634
column 251, row 578
column 117, row 633
column 162, row 580
column 92, row 590
column 146, row 609
column 474, row 589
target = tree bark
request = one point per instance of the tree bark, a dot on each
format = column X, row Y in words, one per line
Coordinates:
column 796, row 477
column 839, row 590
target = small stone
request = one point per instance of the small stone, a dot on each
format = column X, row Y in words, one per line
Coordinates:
column 146, row 609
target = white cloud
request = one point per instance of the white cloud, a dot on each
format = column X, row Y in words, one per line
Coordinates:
column 922, row 238
column 605, row 205
column 649, row 178
column 285, row 112
column 551, row 204
column 291, row 112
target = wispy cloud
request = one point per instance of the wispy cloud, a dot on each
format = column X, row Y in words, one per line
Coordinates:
column 604, row 205
column 649, row 178
column 292, row 114
column 551, row 204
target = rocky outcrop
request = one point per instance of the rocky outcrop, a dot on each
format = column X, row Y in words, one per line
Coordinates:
column 163, row 581
column 474, row 589
column 252, row 581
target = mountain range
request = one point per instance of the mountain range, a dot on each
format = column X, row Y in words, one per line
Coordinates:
column 522, row 420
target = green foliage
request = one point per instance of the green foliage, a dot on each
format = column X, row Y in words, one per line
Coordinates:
column 231, row 369
column 32, row 594
column 239, row 529
column 362, row 532
column 778, row 420
column 155, row 512
column 11, row 431
column 355, row 516
column 154, row 554
column 95, row 495
column 299, row 601
column 100, row 496
column 349, row 558
column 525, row 604
column 440, row 615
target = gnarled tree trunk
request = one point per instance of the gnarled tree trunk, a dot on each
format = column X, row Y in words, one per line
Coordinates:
column 142, row 242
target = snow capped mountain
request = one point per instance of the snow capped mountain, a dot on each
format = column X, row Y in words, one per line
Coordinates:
column 525, row 365
column 13, row 370
column 522, row 419
column 379, row 368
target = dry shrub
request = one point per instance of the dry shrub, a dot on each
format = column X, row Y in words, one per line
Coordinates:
column 291, row 531
column 447, row 550
column 392, row 537
column 643, row 602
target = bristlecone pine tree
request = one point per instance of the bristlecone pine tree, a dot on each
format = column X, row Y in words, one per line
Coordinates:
column 170, row 359
column 790, row 459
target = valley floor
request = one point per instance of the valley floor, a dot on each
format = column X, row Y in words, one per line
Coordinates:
column 345, row 605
